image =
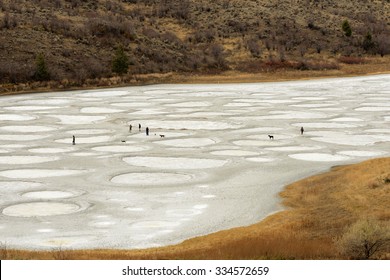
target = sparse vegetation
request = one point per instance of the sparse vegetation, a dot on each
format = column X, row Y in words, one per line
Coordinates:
column 197, row 37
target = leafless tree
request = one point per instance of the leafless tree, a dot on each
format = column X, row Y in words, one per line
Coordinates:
column 364, row 239
column 383, row 44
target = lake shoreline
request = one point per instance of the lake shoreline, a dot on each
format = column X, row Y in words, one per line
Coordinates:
column 374, row 66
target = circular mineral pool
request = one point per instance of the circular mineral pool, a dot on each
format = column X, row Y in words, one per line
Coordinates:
column 89, row 131
column 148, row 178
column 51, row 150
column 34, row 209
column 188, row 142
column 174, row 162
column 38, row 173
column 99, row 110
column 318, row 157
column 260, row 159
column 75, row 119
column 325, row 125
column 236, row 153
column 16, row 117
column 27, row 128
column 31, row 108
column 86, row 140
column 46, row 101
column 183, row 212
column 48, row 194
column 22, row 137
column 190, row 104
column 373, row 109
column 293, row 148
column 254, row 143
column 154, row 224
column 361, row 153
column 25, row 159
column 120, row 149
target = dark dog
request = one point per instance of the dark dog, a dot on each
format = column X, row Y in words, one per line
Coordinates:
column 162, row 135
column 271, row 136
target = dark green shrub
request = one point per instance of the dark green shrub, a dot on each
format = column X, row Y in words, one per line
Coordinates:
column 120, row 63
column 41, row 71
column 347, row 28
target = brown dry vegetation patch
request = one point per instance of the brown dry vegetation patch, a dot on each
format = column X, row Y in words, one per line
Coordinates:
column 78, row 38
column 318, row 210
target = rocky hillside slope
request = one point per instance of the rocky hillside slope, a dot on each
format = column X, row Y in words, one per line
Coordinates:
column 77, row 39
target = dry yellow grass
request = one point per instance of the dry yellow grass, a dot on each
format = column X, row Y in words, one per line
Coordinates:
column 318, row 209
column 175, row 27
column 374, row 65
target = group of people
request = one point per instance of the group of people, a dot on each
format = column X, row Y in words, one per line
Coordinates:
column 130, row 129
column 139, row 129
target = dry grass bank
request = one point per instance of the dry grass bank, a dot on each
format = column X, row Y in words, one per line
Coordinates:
column 370, row 66
column 319, row 209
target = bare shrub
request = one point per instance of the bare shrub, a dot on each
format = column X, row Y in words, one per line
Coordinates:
column 203, row 36
column 383, row 44
column 182, row 10
column 150, row 33
column 218, row 54
column 282, row 53
column 108, row 27
column 179, row 10
column 95, row 68
column 318, row 48
column 237, row 26
column 268, row 44
column 8, row 21
column 14, row 72
column 302, row 50
column 60, row 254
column 170, row 38
column 250, row 67
column 352, row 60
column 365, row 239
column 253, row 47
column 194, row 61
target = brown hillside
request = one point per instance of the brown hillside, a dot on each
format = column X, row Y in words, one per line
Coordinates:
column 77, row 38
